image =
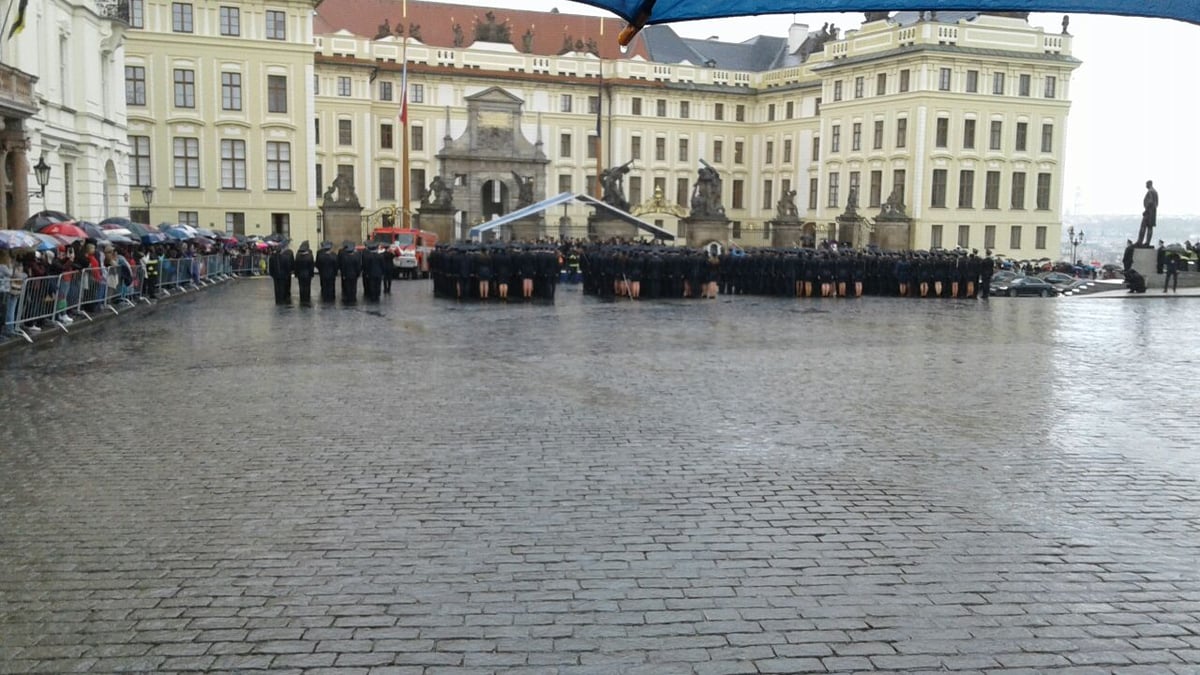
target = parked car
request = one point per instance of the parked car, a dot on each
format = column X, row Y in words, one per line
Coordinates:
column 1063, row 282
column 1003, row 276
column 1023, row 286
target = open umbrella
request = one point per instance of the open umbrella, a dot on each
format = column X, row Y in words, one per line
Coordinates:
column 177, row 233
column 113, row 229
column 43, row 218
column 94, row 231
column 205, row 232
column 151, row 238
column 120, row 238
column 65, row 229
column 49, row 242
column 18, row 239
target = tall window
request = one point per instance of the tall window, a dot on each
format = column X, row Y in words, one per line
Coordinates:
column 660, row 149
column 738, row 195
column 139, row 161
column 944, row 79
column 185, row 88
column 935, row 236
column 998, row 84
column 564, row 183
column 187, row 162
column 833, row 189
column 592, row 146
column 231, row 91
column 181, row 17
column 855, row 181
column 135, row 85
column 235, row 222
column 564, row 145
column 902, row 132
column 1043, row 191
column 790, row 110
column 635, row 190
column 190, row 218
column 858, row 87
column 660, row 107
column 231, row 21
column 881, row 84
column 683, row 149
column 279, row 165
column 718, row 151
column 989, row 236
column 319, row 186
column 770, row 112
column 739, row 152
column 385, row 90
column 816, row 148
column 937, row 197
column 991, row 190
column 769, row 153
column 739, row 113
column 1022, row 136
column 877, row 136
column 899, row 185
column 345, row 135
column 635, row 105
column 1051, row 83
column 787, row 150
column 995, row 135
column 904, row 77
column 317, row 130
column 681, row 191
column 943, row 133
column 386, row 140
column 968, row 134
column 276, row 25
column 233, row 164
column 277, row 96
column 837, row 90
column 1014, row 237
column 813, row 188
column 1047, row 138
column 876, row 193
column 1018, row 190
column 416, row 93
column 685, row 110
column 966, row 189
column 343, row 86
column 593, row 105
column 1023, row 85
column 856, row 137
column 387, row 182
column 972, row 81
column 719, row 111
column 1039, row 237
column 835, row 138
column 417, row 137
column 964, row 236
column 137, row 14
column 635, row 147
column 768, row 198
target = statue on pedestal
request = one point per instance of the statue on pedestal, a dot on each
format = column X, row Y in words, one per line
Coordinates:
column 439, row 195
column 524, row 189
column 612, row 186
column 706, row 196
column 785, row 209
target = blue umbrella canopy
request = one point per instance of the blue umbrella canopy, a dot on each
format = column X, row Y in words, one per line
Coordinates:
column 18, row 239
column 641, row 13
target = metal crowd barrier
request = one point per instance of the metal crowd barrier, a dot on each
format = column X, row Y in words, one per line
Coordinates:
column 61, row 299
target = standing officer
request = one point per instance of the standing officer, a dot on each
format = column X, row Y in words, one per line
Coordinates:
column 327, row 270
column 389, row 267
column 350, row 267
column 372, row 272
column 305, row 266
column 279, row 267
column 985, row 274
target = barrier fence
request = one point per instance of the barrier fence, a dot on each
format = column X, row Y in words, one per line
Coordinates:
column 32, row 304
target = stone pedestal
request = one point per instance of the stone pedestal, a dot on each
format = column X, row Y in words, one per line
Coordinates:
column 854, row 229
column 600, row 227
column 527, row 229
column 342, row 223
column 697, row 232
column 788, row 233
column 893, row 235
column 439, row 221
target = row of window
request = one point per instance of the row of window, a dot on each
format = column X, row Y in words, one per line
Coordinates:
column 386, row 182
column 186, row 163
column 184, row 84
column 416, row 92
column 345, row 134
column 1015, row 237
column 230, row 19
column 970, row 84
column 991, row 190
column 941, row 136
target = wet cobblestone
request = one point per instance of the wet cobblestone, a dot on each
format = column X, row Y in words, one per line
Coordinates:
column 733, row 486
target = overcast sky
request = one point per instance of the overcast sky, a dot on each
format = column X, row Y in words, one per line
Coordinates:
column 1134, row 101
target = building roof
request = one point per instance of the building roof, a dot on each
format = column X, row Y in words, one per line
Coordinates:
column 759, row 53
column 550, row 31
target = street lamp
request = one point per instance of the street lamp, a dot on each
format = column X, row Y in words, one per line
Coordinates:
column 1076, row 238
column 41, row 171
column 148, row 195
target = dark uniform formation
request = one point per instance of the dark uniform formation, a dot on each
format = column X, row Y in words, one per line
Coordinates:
column 501, row 271
column 670, row 272
column 373, row 265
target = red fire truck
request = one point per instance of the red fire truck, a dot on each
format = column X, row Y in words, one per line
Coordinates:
column 411, row 248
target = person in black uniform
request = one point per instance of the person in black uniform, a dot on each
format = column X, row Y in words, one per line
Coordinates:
column 327, row 270
column 304, row 272
column 986, row 267
column 279, row 268
column 372, row 273
column 350, row 267
column 389, row 266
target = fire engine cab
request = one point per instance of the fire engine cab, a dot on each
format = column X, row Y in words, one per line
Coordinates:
column 411, row 248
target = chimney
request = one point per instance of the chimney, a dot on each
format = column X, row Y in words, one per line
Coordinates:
column 796, row 36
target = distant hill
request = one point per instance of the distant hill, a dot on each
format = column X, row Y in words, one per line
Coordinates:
column 1170, row 229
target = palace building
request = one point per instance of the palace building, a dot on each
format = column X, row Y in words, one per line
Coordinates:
column 911, row 130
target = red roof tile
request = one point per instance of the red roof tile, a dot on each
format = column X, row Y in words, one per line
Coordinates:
column 437, row 19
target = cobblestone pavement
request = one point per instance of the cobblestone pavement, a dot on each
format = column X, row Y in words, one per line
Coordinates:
column 727, row 486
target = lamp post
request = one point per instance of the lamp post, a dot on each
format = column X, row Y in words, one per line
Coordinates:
column 1076, row 238
column 148, row 195
column 41, row 171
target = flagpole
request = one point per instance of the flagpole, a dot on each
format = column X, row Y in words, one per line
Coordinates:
column 599, row 192
column 406, row 178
